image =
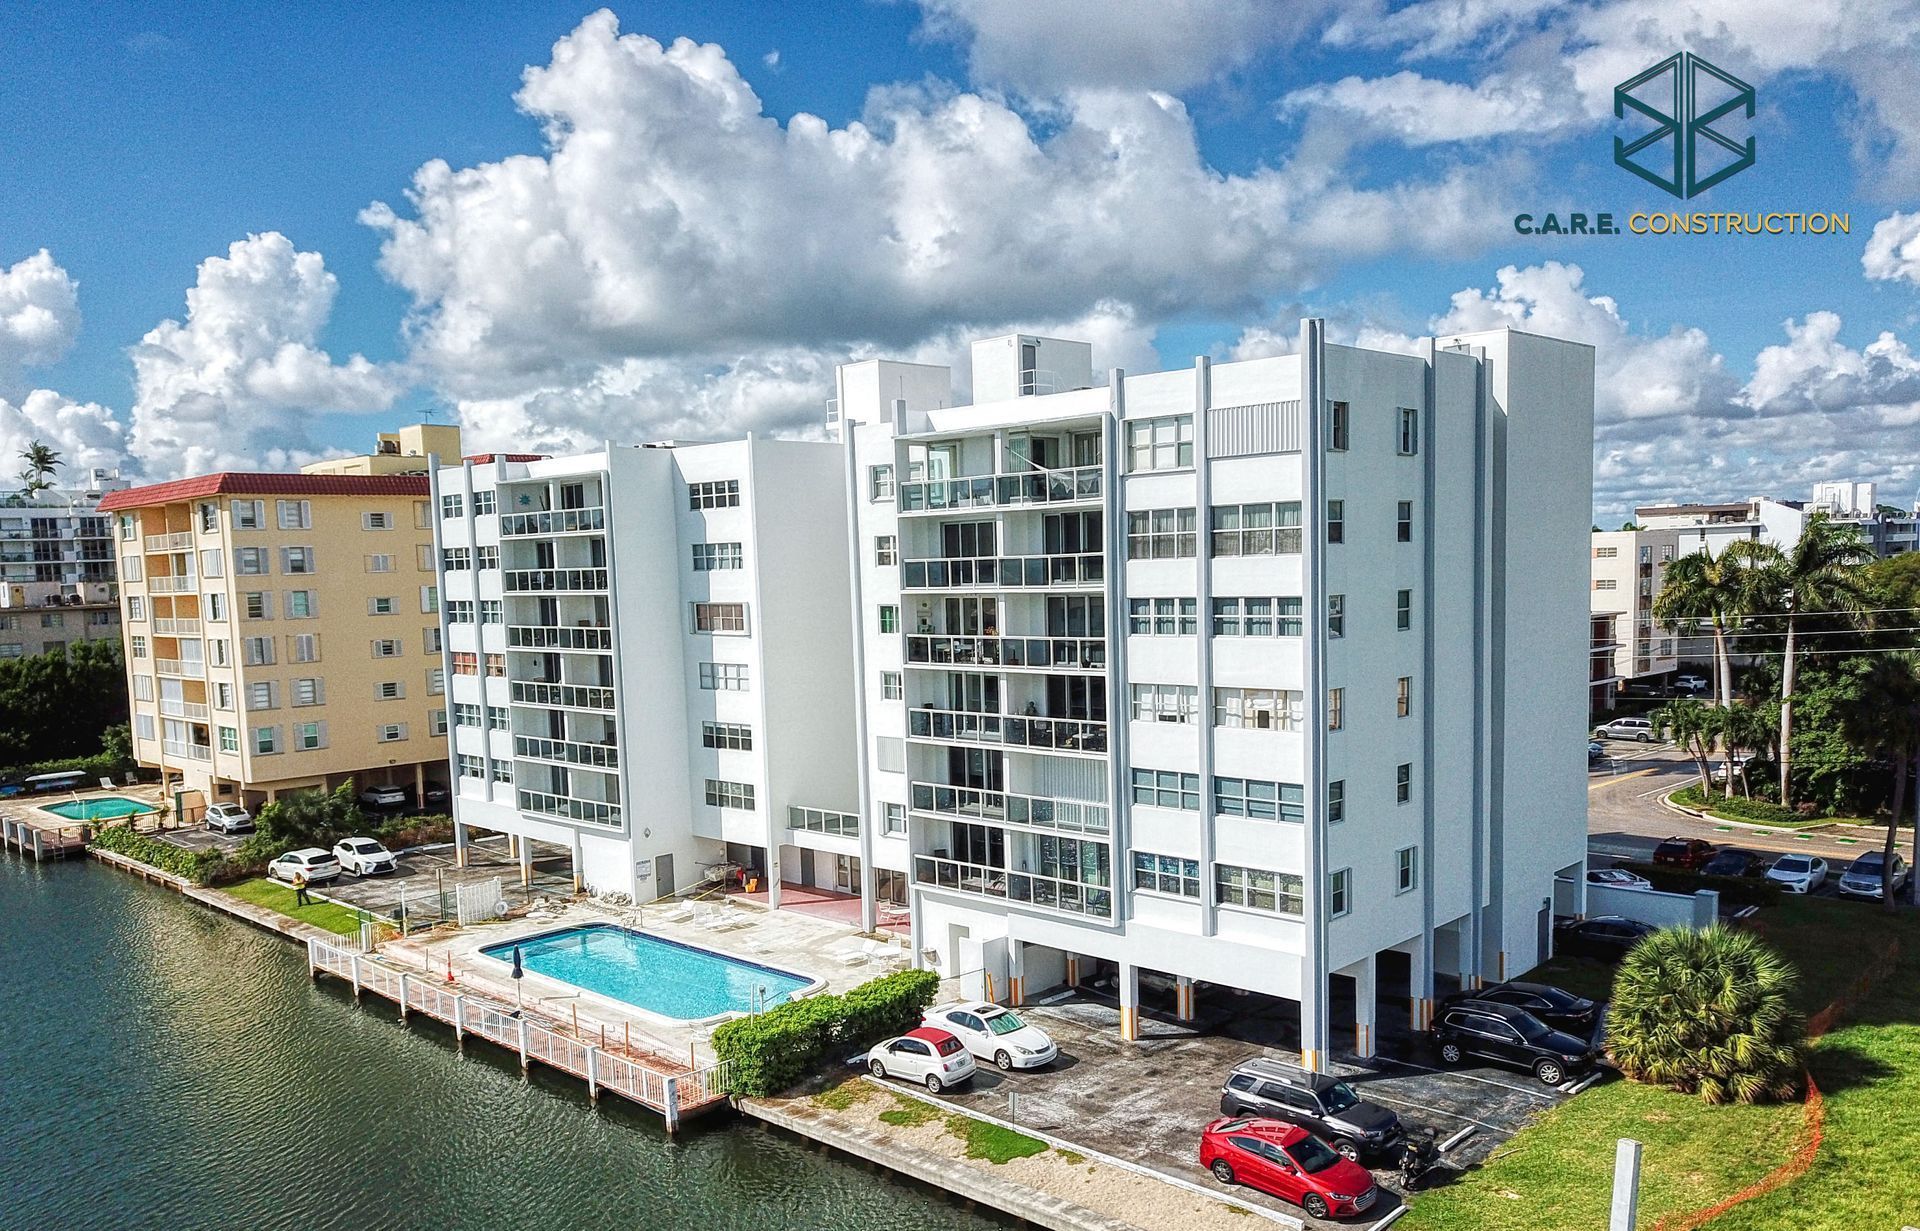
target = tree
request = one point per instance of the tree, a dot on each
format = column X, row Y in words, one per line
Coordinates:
column 1718, row 589
column 59, row 704
column 1822, row 572
column 1745, row 728
column 1707, row 1013
column 311, row 818
column 1695, row 726
column 42, row 460
column 1885, row 718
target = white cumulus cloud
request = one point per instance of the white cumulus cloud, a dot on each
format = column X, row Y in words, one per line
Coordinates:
column 1893, row 250
column 39, row 316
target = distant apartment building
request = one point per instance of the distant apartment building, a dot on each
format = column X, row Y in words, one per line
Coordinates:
column 1268, row 676
column 57, row 583
column 649, row 658
column 407, row 451
column 282, row 632
column 1629, row 567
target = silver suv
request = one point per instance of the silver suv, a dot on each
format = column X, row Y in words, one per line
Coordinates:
column 1324, row 1106
column 1640, row 729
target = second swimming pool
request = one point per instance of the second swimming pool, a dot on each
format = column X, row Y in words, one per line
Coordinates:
column 650, row 973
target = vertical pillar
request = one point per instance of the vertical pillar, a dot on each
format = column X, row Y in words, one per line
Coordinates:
column 1363, row 1006
column 773, row 885
column 523, row 1045
column 1129, row 1001
column 673, row 1104
column 914, row 912
column 1016, row 973
column 1073, row 970
column 459, row 844
column 1420, row 984
column 526, row 863
column 403, row 995
column 459, row 1018
column 579, row 855
column 593, row 1074
column 1183, row 998
column 420, row 783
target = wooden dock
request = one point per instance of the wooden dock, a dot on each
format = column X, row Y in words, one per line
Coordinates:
column 671, row 1092
column 40, row 836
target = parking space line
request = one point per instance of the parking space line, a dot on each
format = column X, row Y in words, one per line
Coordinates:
column 1374, row 1095
column 1472, row 1077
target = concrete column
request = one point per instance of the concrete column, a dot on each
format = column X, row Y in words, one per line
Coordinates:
column 1016, row 973
column 459, row 844
column 1314, row 1026
column 526, row 863
column 1129, row 1001
column 420, row 783
column 914, row 908
column 1420, row 985
column 773, row 875
column 1073, row 970
column 579, row 855
column 1363, row 1006
column 1183, row 998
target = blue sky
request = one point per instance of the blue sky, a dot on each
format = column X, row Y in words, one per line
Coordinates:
column 644, row 242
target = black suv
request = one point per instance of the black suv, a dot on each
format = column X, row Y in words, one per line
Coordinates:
column 1557, row 1008
column 1324, row 1106
column 1511, row 1037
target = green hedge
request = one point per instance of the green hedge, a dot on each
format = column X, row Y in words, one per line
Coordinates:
column 200, row 867
column 1739, row 890
column 1738, row 807
column 777, row 1049
column 99, row 765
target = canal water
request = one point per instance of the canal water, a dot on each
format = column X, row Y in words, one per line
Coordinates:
column 164, row 1066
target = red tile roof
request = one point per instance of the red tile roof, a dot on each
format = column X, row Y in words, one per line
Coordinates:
column 231, row 483
column 487, row 459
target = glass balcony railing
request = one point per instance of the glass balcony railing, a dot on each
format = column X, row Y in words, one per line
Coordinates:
column 1073, row 572
column 570, row 752
column 1052, row 893
column 819, row 820
column 541, row 580
column 1048, row 653
column 1083, row 484
column 592, row 811
column 553, row 521
column 1009, row 808
column 558, row 637
column 1022, row 731
column 566, row 696
column 980, row 878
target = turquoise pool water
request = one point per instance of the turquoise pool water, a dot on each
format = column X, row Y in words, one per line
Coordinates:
column 105, row 808
column 647, row 972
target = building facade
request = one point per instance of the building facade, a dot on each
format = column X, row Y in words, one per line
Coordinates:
column 1264, row 675
column 1629, row 567
column 57, row 581
column 648, row 652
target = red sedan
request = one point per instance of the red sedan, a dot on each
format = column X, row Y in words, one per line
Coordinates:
column 1288, row 1162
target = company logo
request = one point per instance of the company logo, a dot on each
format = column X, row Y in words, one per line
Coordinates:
column 1685, row 96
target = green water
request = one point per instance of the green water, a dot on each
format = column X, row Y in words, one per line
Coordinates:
column 164, row 1066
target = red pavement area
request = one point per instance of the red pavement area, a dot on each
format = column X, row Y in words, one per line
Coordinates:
column 843, row 908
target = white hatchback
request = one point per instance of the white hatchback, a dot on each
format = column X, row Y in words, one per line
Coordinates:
column 364, row 857
column 229, row 818
column 933, row 1058
column 994, row 1034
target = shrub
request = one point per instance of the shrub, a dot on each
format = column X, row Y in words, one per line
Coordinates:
column 398, row 833
column 889, row 1005
column 1759, row 811
column 776, row 1049
column 1707, row 1013
column 201, row 867
column 1739, row 890
column 99, row 765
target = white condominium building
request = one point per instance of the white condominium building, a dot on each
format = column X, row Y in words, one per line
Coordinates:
column 648, row 654
column 1266, row 675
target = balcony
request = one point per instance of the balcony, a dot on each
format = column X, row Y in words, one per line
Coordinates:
column 1086, row 571
column 553, row 521
column 1034, row 653
column 564, row 696
column 819, row 820
column 1052, row 893
column 173, row 585
column 190, row 669
column 983, row 879
column 180, row 540
column 1076, row 735
column 592, row 811
column 545, row 580
column 1081, row 485
column 1008, row 808
column 567, row 752
column 557, row 637
column 183, row 709
column 188, row 752
column 175, row 626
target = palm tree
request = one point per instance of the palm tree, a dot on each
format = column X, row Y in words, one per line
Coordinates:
column 1885, row 717
column 42, row 460
column 1708, row 1013
column 1749, row 729
column 1821, row 572
column 1721, row 590
column 1696, row 727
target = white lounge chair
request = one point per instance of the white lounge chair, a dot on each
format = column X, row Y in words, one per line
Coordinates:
column 680, row 913
column 848, row 956
column 106, row 784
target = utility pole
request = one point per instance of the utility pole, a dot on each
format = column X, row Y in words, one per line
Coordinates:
column 1626, row 1185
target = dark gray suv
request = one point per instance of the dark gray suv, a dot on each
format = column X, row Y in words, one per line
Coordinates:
column 1324, row 1106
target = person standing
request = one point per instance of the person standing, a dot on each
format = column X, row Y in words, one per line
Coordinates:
column 300, row 897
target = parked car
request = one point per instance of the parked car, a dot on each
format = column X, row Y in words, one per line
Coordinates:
column 1690, row 682
column 1555, row 1006
column 1618, row 878
column 1602, row 936
column 1740, row 761
column 315, row 863
column 436, row 793
column 364, row 857
column 992, row 1033
column 1596, row 753
column 229, row 818
column 384, row 796
column 1688, row 853
column 1640, row 729
column 1798, row 873
column 1733, row 862
column 1324, row 1106
column 1862, row 877
column 1288, row 1162
column 933, row 1058
column 1509, row 1037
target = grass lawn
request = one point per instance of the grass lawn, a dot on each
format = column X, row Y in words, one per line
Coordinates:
column 1556, row 1174
column 992, row 1142
column 278, row 897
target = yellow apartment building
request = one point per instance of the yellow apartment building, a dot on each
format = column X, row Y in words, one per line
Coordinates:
column 283, row 632
column 403, row 452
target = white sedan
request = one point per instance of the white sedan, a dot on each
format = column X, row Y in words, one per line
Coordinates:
column 1798, row 873
column 1617, row 878
column 995, row 1034
column 364, row 857
column 927, row 1056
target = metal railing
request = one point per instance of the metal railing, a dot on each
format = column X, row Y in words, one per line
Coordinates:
column 1079, row 485
column 553, row 521
column 173, row 585
column 1081, row 571
column 189, row 669
column 179, row 540
column 1049, row 653
column 557, row 637
column 175, row 626
column 183, row 709
column 1010, row 808
column 543, row 580
column 567, row 696
column 1015, row 731
column 570, row 752
column 192, row 752
column 1052, row 892
column 590, row 810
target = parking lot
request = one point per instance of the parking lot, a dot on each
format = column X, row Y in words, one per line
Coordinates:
column 1146, row 1101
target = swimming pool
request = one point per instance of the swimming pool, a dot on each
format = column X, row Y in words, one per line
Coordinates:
column 652, row 974
column 103, row 808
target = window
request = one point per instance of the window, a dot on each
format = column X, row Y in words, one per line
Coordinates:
column 1165, row 702
column 1166, row 789
column 257, row 605
column 388, row 647
column 1608, row 553
column 209, row 514
column 213, row 563
column 495, row 666
column 453, row 506
column 250, row 561
column 53, row 619
column 422, row 515
column 892, row 686
column 1166, row 874
column 1339, row 421
column 264, row 695
column 380, row 564
column 722, row 794
column 886, row 550
column 1335, row 698
column 300, row 605
column 137, row 646
column 436, row 681
column 137, row 607
column 437, row 722
column 390, row 732
column 229, row 739
column 216, row 607
column 249, row 514
column 459, row 611
column 143, row 688
column 1340, row 893
column 429, row 600
column 266, row 740
column 1256, row 889
column 1403, row 609
column 471, row 766
column 379, row 606
column 430, row 640
column 456, row 559
column 257, row 651
column 1163, row 617
column 487, row 557
column 880, row 482
column 893, row 820
column 309, row 690
column 484, row 502
column 1256, row 529
column 423, row 557
column 1403, row 784
column 1160, row 534
column 1336, row 521
column 376, row 521
column 1159, row 444
column 1259, row 801
column 734, row 736
column 889, row 618
column 1409, row 431
column 303, row 648
column 1407, row 869
column 1256, row 617
column 142, row 723
column 503, row 771
column 296, row 560
column 723, row 494
column 492, row 611
column 217, row 651
column 132, row 568
column 1336, row 615
column 1259, row 709
column 499, row 718
column 1336, row 801
column 1603, row 583
column 466, row 715
column 1403, row 702
column 890, row 755
column 295, row 514
column 1404, row 521
column 127, row 530
column 719, row 617
column 713, row 557
column 722, row 677
column 389, row 690
column 309, row 735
